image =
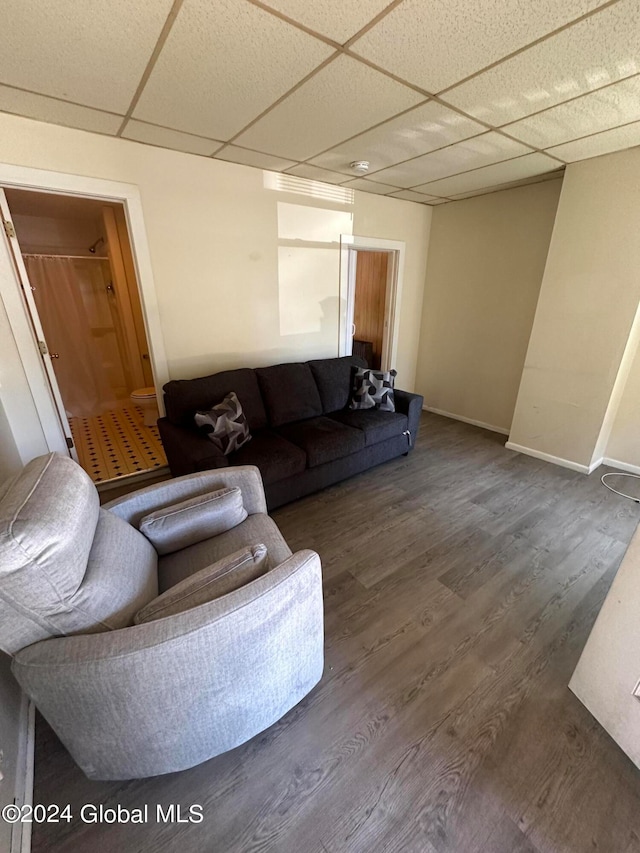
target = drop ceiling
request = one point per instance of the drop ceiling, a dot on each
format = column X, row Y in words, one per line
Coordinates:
column 445, row 98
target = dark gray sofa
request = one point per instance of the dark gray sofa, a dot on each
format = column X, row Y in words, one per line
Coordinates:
column 304, row 436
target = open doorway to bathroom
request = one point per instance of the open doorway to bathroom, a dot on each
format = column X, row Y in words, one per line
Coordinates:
column 79, row 269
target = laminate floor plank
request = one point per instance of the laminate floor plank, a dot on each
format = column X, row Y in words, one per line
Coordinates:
column 461, row 583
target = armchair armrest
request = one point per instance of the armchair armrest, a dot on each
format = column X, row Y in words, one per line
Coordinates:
column 138, row 504
column 166, row 695
column 410, row 405
column 187, row 450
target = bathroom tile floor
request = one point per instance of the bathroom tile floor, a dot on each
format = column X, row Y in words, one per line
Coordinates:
column 117, row 443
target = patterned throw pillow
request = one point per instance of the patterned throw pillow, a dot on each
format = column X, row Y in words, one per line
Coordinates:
column 225, row 424
column 373, row 389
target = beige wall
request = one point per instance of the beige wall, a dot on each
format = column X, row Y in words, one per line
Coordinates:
column 585, row 313
column 486, row 261
column 624, row 440
column 245, row 274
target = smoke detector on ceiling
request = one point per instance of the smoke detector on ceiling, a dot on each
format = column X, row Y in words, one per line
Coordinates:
column 361, row 166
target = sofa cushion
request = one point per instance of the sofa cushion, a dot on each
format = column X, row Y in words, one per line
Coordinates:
column 334, row 379
column 273, row 455
column 324, row 439
column 225, row 424
column 224, row 576
column 183, row 397
column 258, row 527
column 186, row 522
column 375, row 424
column 289, row 392
column 48, row 518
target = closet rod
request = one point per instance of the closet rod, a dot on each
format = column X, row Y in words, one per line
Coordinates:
column 66, row 257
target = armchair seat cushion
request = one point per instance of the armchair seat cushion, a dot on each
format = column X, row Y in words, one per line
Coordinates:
column 323, row 439
column 173, row 568
column 276, row 457
column 374, row 423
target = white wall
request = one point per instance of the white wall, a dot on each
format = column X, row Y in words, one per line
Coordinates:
column 585, row 314
column 225, row 275
column 485, row 267
column 623, row 446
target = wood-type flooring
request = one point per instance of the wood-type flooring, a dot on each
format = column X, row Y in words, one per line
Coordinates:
column 461, row 583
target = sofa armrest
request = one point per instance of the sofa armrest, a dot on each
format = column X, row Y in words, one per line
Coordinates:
column 247, row 478
column 187, row 450
column 166, row 695
column 410, row 405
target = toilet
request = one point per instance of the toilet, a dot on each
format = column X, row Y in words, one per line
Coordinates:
column 145, row 398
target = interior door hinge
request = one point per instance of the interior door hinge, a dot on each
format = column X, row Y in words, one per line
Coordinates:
column 42, row 347
column 9, row 230
column 69, row 442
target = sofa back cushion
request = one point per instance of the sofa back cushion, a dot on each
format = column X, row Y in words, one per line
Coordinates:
column 289, row 392
column 184, row 397
column 333, row 378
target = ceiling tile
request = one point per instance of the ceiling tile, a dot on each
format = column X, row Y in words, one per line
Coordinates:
column 235, row 154
column 601, row 110
column 490, row 176
column 411, row 195
column 141, row 132
column 437, row 201
column 602, row 143
column 316, row 174
column 332, row 18
column 222, row 65
column 58, row 112
column 599, row 50
column 343, row 99
column 76, row 51
column 439, row 43
column 510, row 185
column 470, row 154
column 423, row 129
column 370, row 186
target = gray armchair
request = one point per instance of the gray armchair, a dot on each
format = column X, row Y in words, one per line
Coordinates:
column 133, row 700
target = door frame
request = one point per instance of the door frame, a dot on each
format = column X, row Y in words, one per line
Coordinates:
column 41, row 180
column 350, row 245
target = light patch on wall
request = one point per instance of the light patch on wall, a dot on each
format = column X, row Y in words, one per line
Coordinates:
column 304, row 186
column 309, row 270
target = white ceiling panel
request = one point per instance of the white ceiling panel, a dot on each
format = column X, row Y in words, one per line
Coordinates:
column 138, row 131
column 602, row 143
column 222, row 65
column 341, row 100
column 510, row 185
column 332, row 18
column 491, row 176
column 423, row 129
column 471, row 154
column 601, row 110
column 78, row 51
column 370, row 186
column 314, row 173
column 436, row 43
column 48, row 109
column 411, row 195
column 601, row 49
column 235, row 154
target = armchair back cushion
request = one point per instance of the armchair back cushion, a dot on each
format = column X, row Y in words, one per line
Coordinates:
column 49, row 520
column 289, row 392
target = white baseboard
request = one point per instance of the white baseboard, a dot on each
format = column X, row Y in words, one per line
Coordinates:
column 21, row 835
column 547, row 457
column 623, row 466
column 471, row 421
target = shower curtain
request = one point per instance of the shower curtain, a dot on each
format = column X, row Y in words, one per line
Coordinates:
column 81, row 375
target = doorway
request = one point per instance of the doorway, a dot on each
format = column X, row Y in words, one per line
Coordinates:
column 369, row 306
column 78, row 279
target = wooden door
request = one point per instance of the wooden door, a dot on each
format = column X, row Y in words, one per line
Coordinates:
column 371, row 288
